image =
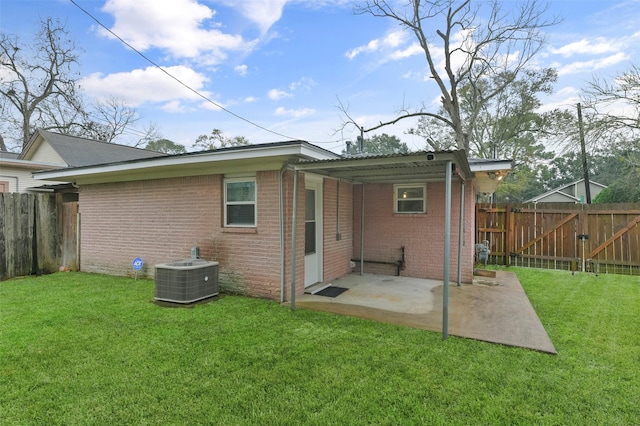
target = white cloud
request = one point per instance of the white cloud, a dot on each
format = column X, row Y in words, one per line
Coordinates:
column 592, row 65
column 296, row 113
column 372, row 46
column 304, row 83
column 565, row 98
column 146, row 85
column 174, row 106
column 394, row 39
column 413, row 49
column 176, row 26
column 264, row 13
column 276, row 94
column 212, row 107
column 250, row 99
column 584, row 46
column 391, row 41
column 241, row 70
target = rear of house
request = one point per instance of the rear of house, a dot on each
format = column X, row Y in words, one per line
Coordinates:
column 236, row 206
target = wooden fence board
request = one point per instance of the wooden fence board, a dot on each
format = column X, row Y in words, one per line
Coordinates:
column 548, row 236
column 32, row 233
column 69, row 237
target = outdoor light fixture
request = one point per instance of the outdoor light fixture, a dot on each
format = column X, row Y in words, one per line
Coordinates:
column 494, row 175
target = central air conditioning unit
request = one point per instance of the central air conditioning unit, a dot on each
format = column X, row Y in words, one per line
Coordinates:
column 186, row 281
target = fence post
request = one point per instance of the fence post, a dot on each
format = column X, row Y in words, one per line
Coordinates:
column 508, row 233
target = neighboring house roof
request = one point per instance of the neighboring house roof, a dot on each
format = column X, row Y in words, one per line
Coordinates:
column 6, row 155
column 75, row 151
column 569, row 193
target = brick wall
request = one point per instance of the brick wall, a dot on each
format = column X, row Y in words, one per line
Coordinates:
column 160, row 220
column 422, row 235
column 338, row 228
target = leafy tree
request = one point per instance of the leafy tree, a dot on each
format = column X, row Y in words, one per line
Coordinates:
column 38, row 78
column 217, row 140
column 506, row 126
column 612, row 124
column 620, row 192
column 166, row 146
column 624, row 174
column 382, row 144
column 519, row 185
column 622, row 92
column 470, row 47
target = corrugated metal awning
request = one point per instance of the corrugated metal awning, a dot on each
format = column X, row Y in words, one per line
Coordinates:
column 395, row 168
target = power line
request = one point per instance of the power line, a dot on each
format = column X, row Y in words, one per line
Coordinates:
column 177, row 79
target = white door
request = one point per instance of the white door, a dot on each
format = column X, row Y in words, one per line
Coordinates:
column 312, row 232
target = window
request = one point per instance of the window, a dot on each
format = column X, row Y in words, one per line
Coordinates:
column 310, row 222
column 240, row 202
column 410, row 198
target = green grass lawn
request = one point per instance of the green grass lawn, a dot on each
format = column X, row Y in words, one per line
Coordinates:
column 90, row 349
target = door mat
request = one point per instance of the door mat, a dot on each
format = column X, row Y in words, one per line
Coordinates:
column 331, row 291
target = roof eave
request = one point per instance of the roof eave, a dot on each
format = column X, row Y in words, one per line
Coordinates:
column 489, row 166
column 138, row 167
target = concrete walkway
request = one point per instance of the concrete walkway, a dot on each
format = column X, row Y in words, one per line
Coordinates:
column 492, row 309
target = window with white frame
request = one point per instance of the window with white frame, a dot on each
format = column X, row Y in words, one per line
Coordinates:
column 410, row 198
column 240, row 201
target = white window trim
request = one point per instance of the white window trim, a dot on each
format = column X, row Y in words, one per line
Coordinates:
column 415, row 185
column 254, row 203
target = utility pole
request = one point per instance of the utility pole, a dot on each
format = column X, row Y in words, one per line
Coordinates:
column 585, row 167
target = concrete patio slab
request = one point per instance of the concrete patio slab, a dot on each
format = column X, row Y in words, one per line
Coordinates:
column 492, row 309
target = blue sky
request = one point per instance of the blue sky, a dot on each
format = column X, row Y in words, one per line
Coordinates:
column 283, row 64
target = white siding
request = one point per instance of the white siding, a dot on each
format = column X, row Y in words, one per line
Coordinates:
column 20, row 179
column 46, row 154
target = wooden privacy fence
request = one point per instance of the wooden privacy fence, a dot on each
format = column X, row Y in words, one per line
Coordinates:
column 38, row 234
column 600, row 238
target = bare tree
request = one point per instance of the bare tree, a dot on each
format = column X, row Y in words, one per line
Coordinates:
column 614, row 106
column 462, row 45
column 151, row 133
column 506, row 126
column 612, row 122
column 108, row 120
column 38, row 78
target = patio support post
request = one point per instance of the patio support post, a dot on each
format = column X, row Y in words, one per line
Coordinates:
column 282, row 233
column 362, row 233
column 447, row 250
column 294, row 222
column 460, row 233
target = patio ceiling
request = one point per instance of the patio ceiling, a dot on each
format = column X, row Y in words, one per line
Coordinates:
column 396, row 168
